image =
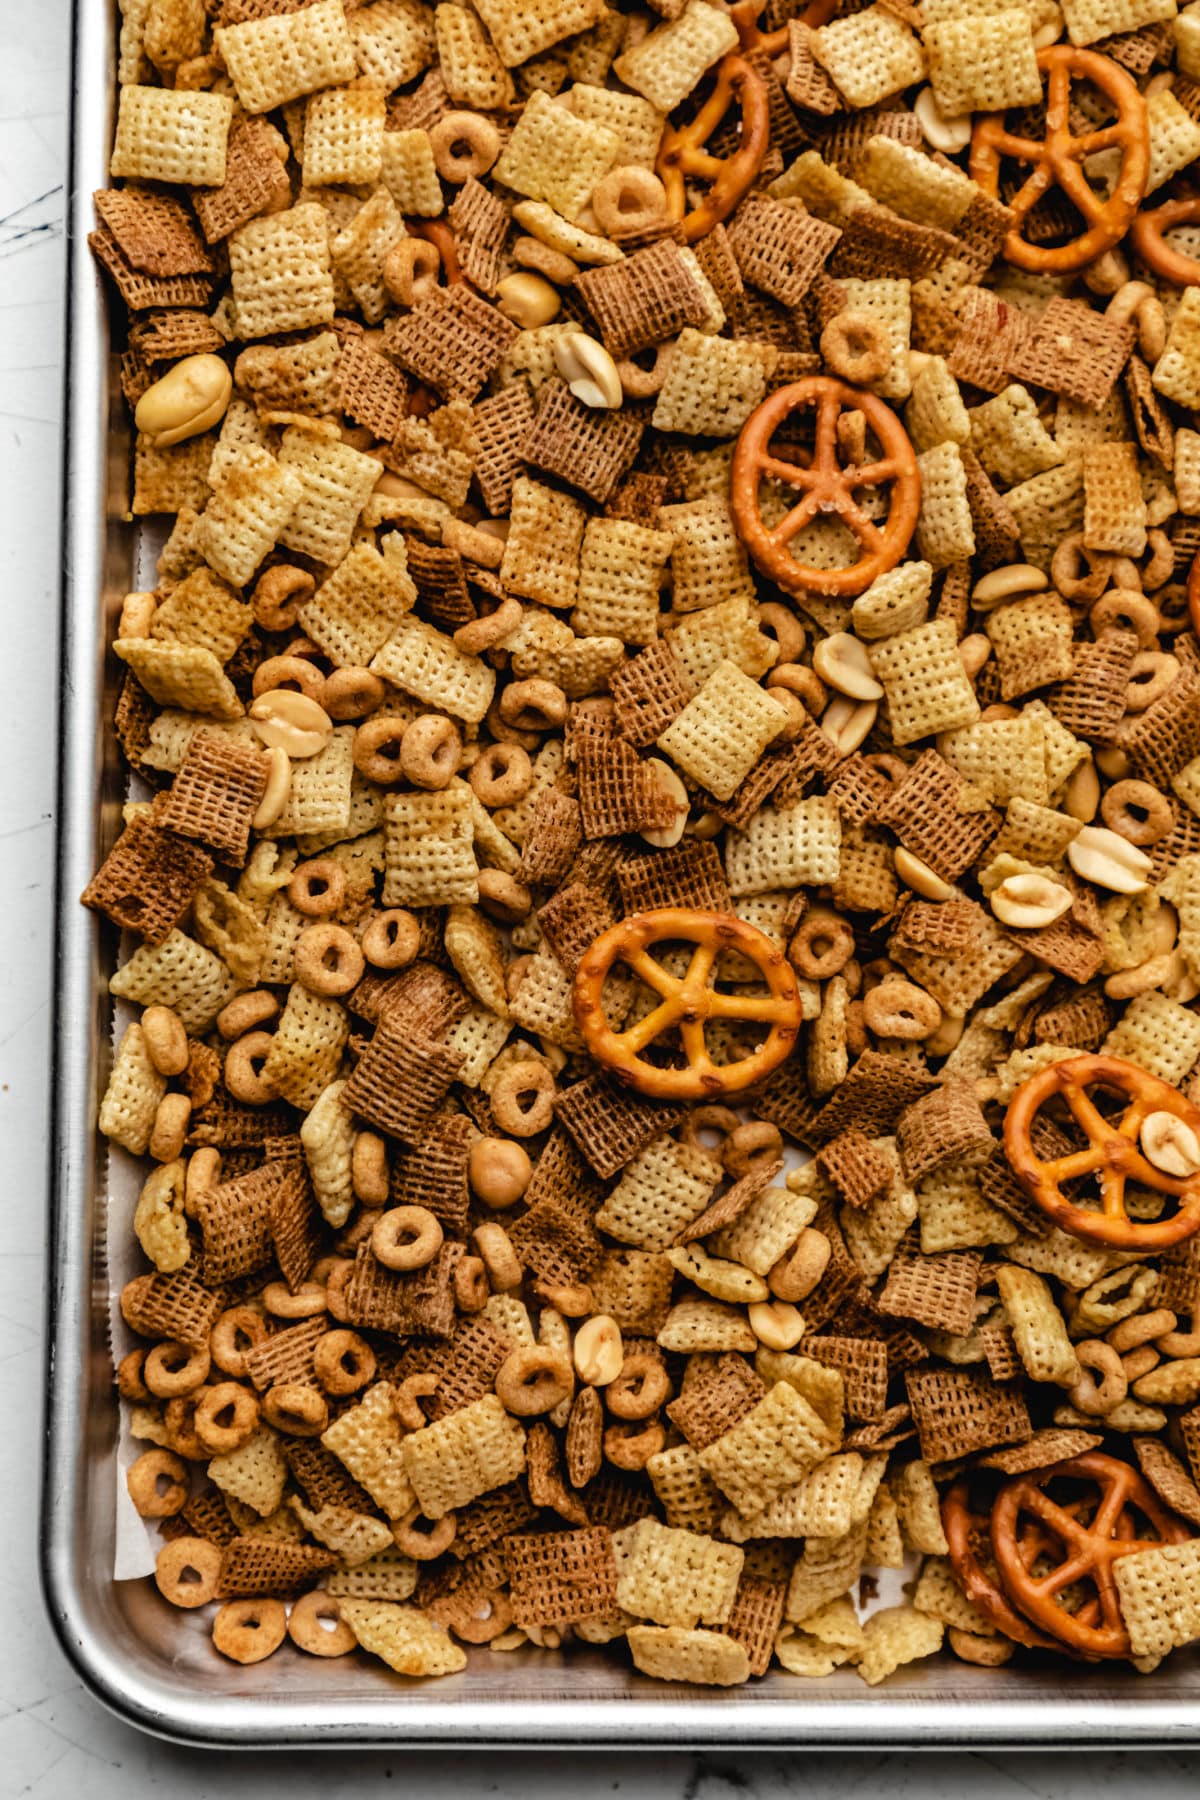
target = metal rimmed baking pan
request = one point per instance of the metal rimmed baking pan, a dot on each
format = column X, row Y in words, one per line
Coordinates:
column 155, row 1666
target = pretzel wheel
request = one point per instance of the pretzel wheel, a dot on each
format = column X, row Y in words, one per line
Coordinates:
column 773, row 43
column 1044, row 1546
column 683, row 154
column 964, row 1528
column 1056, row 160
column 686, row 1003
column 1146, row 236
column 824, row 487
column 1112, row 1152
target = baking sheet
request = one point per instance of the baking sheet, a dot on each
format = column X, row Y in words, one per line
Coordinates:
column 154, row 1665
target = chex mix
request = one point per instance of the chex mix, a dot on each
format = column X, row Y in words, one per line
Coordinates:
column 660, row 903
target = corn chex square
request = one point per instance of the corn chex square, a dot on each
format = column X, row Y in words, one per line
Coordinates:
column 429, row 844
column 723, row 730
column 466, row 1454
column 786, row 847
column 168, row 134
column 669, row 62
column 677, row 1577
column 777, row 1443
column 555, row 156
column 283, row 57
column 280, row 272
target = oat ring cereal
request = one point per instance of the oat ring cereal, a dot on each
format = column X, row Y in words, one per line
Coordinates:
column 856, row 347
column 1155, row 1143
column 406, row 1237
column 1056, row 160
column 248, row 1631
column 686, row 1003
column 328, row 960
column 226, row 1415
column 1028, row 1523
column 1147, row 234
column 158, row 1484
column 187, row 1571
column 682, row 155
column 825, row 486
column 315, row 1625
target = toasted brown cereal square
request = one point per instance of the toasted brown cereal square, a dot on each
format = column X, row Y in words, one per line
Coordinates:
column 956, row 1413
column 589, row 449
column 148, row 879
column 939, row 817
column 937, row 1291
column 215, row 794
column 155, row 232
column 714, row 1400
column 253, row 1565
column 856, row 1168
column 170, row 1306
column 286, row 1355
column 452, row 339
column 1073, row 351
column 255, row 176
column 644, row 299
column 560, row 1577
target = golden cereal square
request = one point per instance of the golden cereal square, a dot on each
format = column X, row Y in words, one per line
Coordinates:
column 674, row 1577
column 403, row 1637
column 409, row 173
column 366, row 1440
column 869, row 56
column 1090, row 20
column 667, row 64
column 165, row 134
column 542, row 550
column 923, row 678
column 555, row 156
column 252, row 500
column 343, row 136
column 1177, row 371
column 335, row 483
column 619, row 580
column 429, row 665
column 723, row 730
column 713, row 384
column 521, row 29
column 430, row 849
column 393, row 42
column 984, row 64
column 672, row 1653
column 1159, row 1593
column 464, row 1455
column 777, row 1443
column 786, row 847
column 356, row 609
column 285, row 56
column 280, row 272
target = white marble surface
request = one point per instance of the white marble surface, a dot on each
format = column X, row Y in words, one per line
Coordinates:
column 54, row 1740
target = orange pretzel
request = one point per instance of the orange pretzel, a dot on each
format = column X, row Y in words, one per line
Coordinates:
column 1193, row 593
column 965, row 1528
column 1080, row 1542
column 682, row 153
column 687, row 1002
column 773, row 43
column 825, row 487
column 1112, row 1152
column 1146, row 236
column 1056, row 160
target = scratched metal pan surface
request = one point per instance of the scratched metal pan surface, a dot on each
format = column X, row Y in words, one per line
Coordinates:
column 155, row 1666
